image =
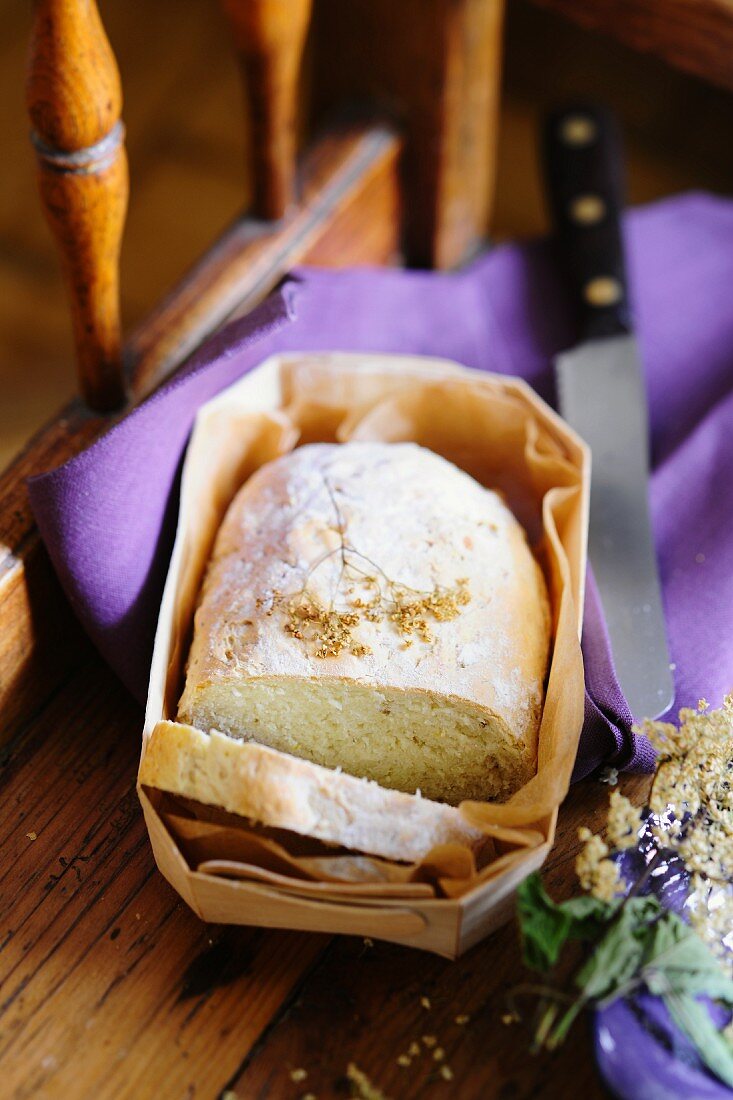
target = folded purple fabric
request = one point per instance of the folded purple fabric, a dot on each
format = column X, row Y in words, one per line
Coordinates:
column 108, row 516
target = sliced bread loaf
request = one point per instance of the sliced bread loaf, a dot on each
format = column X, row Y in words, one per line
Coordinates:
column 371, row 608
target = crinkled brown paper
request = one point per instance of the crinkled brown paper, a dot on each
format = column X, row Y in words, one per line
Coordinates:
column 501, row 433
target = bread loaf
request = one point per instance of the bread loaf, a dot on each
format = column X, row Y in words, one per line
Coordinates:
column 371, row 608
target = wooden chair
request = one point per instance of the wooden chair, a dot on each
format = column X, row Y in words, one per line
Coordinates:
column 428, row 71
column 411, row 178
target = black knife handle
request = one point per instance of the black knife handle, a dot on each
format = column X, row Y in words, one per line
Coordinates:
column 584, row 166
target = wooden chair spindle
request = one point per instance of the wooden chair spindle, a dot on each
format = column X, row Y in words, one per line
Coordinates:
column 74, row 102
column 269, row 36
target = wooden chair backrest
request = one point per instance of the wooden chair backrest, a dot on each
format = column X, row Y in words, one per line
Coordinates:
column 432, row 65
column 431, row 69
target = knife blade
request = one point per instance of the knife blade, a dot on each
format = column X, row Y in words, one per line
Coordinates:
column 602, row 395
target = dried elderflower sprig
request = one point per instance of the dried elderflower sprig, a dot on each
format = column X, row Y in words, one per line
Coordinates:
column 623, row 823
column 692, row 804
column 410, row 608
column 632, row 939
column 330, row 630
column 596, row 872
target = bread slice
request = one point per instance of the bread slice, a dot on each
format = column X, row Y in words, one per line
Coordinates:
column 280, row 791
column 372, row 608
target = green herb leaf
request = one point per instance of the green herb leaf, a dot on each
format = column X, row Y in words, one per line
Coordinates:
column 546, row 926
column 588, row 915
column 636, row 942
column 693, row 1018
column 615, row 965
column 543, row 926
column 677, row 961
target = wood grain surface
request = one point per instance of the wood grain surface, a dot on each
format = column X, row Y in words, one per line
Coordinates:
column 435, row 66
column 348, row 213
column 112, row 988
column 109, row 986
column 695, row 35
column 186, row 141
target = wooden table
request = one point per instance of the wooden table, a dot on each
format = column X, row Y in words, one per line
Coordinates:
column 111, row 987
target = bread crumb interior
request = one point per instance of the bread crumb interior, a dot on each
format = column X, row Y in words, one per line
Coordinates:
column 406, row 740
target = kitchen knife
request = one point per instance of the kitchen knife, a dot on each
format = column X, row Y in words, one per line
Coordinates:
column 602, row 395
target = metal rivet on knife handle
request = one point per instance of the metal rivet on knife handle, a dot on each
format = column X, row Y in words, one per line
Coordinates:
column 603, row 291
column 587, row 209
column 578, row 130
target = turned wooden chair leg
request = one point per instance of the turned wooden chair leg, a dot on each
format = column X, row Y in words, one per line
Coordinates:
column 74, row 101
column 269, row 36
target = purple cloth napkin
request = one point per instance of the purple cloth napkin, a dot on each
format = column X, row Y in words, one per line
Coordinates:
column 107, row 516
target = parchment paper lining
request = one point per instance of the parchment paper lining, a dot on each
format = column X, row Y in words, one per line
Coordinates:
column 497, row 430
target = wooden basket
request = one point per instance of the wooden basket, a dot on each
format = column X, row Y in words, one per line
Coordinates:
column 322, row 393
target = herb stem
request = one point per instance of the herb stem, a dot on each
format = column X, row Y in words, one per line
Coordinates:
column 557, row 1036
column 548, row 1015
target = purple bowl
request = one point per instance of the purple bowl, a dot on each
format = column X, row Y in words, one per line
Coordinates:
column 642, row 1056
